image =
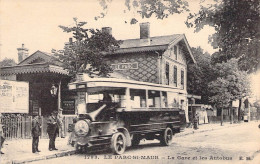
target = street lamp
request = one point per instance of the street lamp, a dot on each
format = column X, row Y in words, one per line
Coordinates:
column 53, row 90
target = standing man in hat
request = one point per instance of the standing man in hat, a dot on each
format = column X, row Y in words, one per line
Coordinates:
column 52, row 129
column 61, row 119
column 36, row 132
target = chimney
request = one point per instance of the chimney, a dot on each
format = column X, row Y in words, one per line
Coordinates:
column 144, row 30
column 145, row 33
column 22, row 53
column 70, row 40
column 107, row 30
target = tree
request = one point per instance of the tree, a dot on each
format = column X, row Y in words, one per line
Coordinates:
column 148, row 8
column 220, row 94
column 237, row 81
column 200, row 74
column 237, row 30
column 86, row 54
column 7, row 62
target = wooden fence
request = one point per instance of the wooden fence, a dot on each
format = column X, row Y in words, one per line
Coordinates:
column 19, row 127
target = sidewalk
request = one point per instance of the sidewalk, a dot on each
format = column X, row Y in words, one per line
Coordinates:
column 20, row 150
column 207, row 127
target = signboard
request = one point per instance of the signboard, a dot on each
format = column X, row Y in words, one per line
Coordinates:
column 14, row 96
column 68, row 107
column 124, row 66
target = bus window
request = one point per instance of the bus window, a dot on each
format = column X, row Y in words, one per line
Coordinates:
column 164, row 100
column 138, row 98
column 95, row 98
column 154, row 99
column 117, row 96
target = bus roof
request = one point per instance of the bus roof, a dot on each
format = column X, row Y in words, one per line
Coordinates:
column 121, row 83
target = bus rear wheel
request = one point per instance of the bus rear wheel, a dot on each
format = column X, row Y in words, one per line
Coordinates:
column 118, row 143
column 166, row 137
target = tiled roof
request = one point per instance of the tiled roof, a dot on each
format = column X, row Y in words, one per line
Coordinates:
column 139, row 45
column 154, row 41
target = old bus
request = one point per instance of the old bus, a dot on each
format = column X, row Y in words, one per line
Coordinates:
column 116, row 113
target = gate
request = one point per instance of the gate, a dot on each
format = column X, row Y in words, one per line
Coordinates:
column 16, row 126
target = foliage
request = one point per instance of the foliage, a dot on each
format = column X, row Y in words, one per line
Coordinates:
column 239, row 84
column 237, row 30
column 200, row 74
column 7, row 62
column 220, row 93
column 87, row 53
column 148, row 8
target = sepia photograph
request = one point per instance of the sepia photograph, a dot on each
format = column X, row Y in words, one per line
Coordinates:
column 130, row 81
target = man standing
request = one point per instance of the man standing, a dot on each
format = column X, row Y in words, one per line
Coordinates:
column 60, row 121
column 36, row 132
column 52, row 130
column 2, row 139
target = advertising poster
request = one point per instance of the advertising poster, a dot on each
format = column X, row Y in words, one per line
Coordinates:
column 14, row 97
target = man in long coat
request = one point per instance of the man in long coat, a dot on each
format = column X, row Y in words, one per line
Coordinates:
column 36, row 133
column 52, row 130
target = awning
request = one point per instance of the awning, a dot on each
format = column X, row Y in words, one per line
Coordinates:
column 32, row 68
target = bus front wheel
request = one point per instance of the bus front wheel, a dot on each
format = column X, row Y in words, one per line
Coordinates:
column 118, row 143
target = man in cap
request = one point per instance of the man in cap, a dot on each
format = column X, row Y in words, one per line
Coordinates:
column 52, row 130
column 36, row 132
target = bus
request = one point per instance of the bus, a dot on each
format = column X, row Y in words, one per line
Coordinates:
column 115, row 113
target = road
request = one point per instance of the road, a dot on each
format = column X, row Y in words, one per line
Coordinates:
column 238, row 144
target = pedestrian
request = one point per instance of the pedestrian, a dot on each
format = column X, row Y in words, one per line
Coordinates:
column 52, row 130
column 196, row 120
column 72, row 138
column 60, row 121
column 2, row 139
column 36, row 133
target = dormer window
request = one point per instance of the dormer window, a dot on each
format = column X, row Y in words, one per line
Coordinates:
column 175, row 49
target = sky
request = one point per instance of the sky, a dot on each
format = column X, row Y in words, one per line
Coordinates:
column 34, row 23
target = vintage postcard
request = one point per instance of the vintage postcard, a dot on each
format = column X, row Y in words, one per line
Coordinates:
column 129, row 81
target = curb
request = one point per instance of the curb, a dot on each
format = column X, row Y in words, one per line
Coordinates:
column 61, row 154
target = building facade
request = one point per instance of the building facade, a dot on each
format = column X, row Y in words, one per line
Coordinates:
column 161, row 60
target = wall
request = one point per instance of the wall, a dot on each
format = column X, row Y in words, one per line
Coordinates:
column 147, row 70
column 169, row 57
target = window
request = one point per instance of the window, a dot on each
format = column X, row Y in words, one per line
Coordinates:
column 164, row 100
column 176, row 52
column 167, row 73
column 154, row 99
column 138, row 98
column 182, row 79
column 117, row 96
column 175, row 76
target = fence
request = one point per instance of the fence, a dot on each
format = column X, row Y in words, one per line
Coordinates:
column 16, row 126
column 19, row 127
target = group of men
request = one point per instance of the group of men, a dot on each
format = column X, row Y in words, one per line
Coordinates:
column 54, row 124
